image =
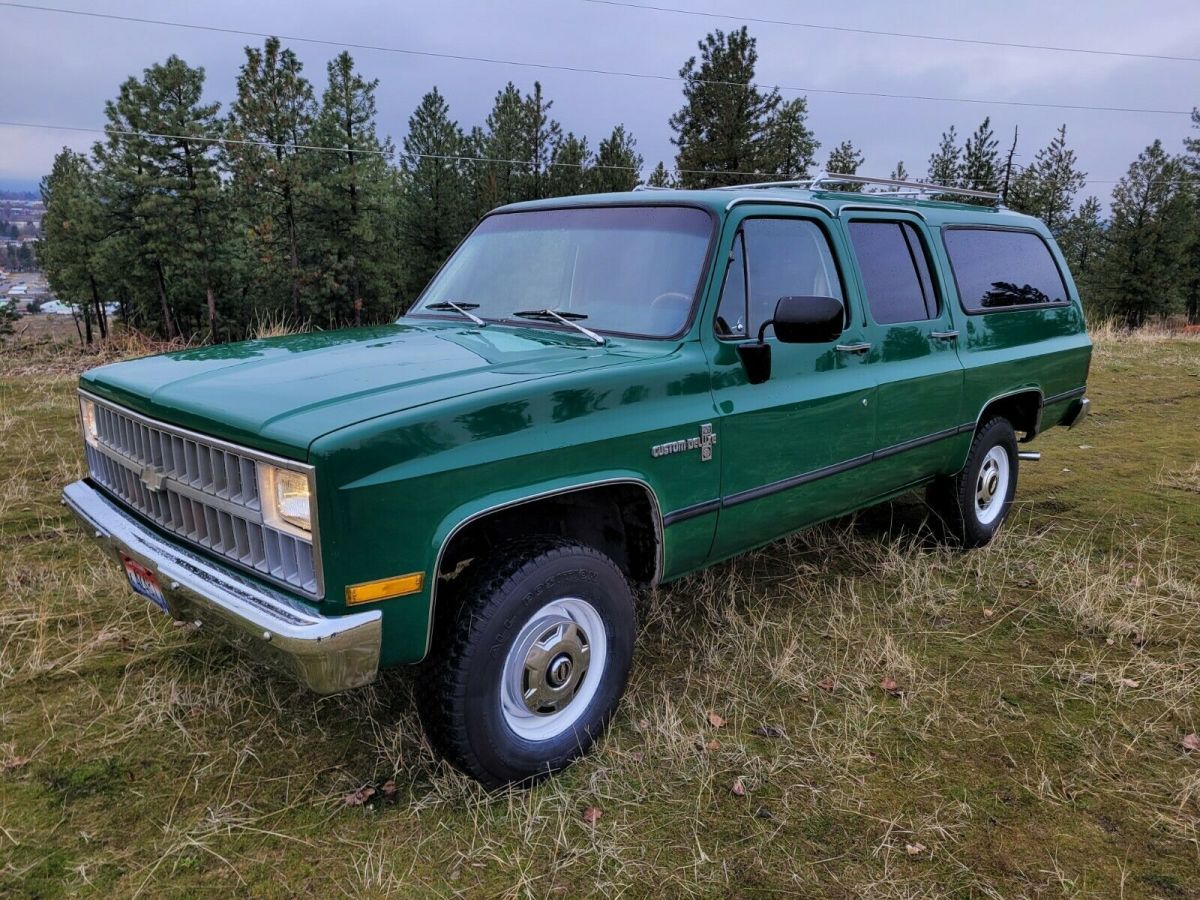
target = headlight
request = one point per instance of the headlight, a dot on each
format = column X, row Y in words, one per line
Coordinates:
column 87, row 416
column 286, row 499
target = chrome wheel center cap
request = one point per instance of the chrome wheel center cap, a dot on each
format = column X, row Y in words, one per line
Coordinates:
column 556, row 658
column 559, row 671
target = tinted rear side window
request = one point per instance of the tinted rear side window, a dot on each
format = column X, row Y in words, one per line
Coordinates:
column 895, row 271
column 998, row 269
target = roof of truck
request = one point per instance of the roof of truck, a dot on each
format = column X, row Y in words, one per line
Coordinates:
column 720, row 200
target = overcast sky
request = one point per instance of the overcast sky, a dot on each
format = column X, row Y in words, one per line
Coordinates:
column 59, row 69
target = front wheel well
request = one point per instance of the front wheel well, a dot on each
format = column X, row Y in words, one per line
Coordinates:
column 621, row 520
column 1023, row 410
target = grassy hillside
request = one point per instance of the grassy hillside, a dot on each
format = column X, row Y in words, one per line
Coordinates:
column 1031, row 743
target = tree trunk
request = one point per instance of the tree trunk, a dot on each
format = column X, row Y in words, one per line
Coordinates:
column 172, row 331
column 87, row 321
column 101, row 317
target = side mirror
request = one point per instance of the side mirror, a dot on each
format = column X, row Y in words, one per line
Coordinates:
column 797, row 320
column 807, row 320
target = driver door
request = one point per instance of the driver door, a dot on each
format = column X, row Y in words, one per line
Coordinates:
column 791, row 445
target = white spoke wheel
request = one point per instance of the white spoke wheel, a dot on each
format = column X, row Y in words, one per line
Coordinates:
column 991, row 487
column 553, row 668
column 973, row 504
column 530, row 662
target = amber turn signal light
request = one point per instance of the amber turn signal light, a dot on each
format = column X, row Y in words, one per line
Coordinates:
column 385, row 588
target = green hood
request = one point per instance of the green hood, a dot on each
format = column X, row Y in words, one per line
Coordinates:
column 281, row 394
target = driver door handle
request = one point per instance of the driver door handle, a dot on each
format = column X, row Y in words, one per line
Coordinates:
column 860, row 347
column 944, row 335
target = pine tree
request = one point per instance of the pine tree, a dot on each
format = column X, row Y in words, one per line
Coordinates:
column 844, row 159
column 1047, row 188
column 69, row 247
column 899, row 173
column 1146, row 247
column 356, row 198
column 1191, row 278
column 274, row 113
column 789, row 147
column 436, row 211
column 981, row 160
column 945, row 166
column 722, row 127
column 161, row 191
column 618, row 164
column 542, row 136
column 1082, row 243
column 660, row 177
column 570, row 167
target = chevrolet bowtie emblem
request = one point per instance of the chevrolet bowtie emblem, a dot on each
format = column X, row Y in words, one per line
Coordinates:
column 152, row 478
column 703, row 443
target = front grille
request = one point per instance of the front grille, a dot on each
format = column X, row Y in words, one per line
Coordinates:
column 207, row 493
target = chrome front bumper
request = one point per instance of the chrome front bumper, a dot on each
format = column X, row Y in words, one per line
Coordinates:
column 327, row 653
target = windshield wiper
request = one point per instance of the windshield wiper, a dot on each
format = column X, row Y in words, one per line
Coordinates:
column 460, row 308
column 565, row 318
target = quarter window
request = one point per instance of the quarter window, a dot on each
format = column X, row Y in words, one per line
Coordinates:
column 998, row 269
column 895, row 271
column 773, row 258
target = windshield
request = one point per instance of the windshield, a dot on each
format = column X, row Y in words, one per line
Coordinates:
column 628, row 269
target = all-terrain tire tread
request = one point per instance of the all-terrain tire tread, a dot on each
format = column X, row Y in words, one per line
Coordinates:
column 444, row 671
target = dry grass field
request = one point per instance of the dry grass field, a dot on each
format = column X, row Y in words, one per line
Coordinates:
column 896, row 719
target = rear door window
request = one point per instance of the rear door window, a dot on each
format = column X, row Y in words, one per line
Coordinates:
column 895, row 271
column 774, row 258
column 998, row 269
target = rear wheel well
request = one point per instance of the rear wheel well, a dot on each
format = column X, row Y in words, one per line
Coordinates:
column 1023, row 411
column 620, row 520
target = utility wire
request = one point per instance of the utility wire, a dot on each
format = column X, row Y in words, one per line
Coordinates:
column 900, row 34
column 126, row 132
column 593, row 71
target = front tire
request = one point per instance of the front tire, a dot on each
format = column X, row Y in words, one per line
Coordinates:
column 529, row 669
column 974, row 503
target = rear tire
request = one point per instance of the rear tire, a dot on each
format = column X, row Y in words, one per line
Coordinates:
column 528, row 670
column 973, row 504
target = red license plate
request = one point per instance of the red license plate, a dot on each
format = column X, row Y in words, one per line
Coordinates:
column 144, row 582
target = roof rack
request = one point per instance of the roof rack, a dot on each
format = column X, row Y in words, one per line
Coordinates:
column 892, row 186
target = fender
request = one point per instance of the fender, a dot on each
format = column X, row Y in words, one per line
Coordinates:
column 460, row 518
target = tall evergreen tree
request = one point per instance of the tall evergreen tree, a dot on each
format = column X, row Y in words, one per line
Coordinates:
column 160, row 180
column 1047, row 188
column 660, row 177
column 570, row 167
column 618, row 164
column 355, row 193
column 844, row 159
column 1191, row 280
column 436, row 210
column 1146, row 248
column 1082, row 243
column 945, row 165
column 723, row 125
column 69, row 248
column 273, row 114
column 981, row 160
column 900, row 173
column 789, row 147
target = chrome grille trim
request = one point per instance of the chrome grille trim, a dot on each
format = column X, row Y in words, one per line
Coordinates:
column 207, row 492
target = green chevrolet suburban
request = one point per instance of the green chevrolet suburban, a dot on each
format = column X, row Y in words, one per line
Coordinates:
column 594, row 395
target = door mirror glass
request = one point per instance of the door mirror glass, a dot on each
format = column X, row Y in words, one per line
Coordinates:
column 807, row 320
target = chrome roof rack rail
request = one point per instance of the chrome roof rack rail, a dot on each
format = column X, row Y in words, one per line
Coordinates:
column 891, row 186
column 652, row 187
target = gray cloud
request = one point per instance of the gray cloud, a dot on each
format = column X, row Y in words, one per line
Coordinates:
column 62, row 68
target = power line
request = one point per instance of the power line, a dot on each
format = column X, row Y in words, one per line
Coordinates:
column 126, row 132
column 900, row 34
column 461, row 57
